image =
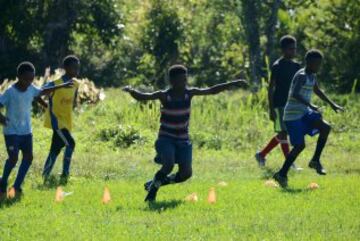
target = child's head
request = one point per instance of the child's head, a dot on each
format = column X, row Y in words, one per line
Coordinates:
column 25, row 74
column 313, row 59
column 71, row 65
column 288, row 46
column 178, row 76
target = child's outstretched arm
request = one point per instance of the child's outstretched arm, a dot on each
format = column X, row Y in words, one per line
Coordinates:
column 213, row 90
column 41, row 102
column 325, row 98
column 141, row 96
column 49, row 90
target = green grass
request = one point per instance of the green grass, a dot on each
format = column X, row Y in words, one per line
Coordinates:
column 226, row 130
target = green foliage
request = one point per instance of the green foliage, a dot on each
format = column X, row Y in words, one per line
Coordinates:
column 121, row 136
column 133, row 42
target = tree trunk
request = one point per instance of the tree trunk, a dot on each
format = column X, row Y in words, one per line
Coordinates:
column 250, row 18
column 270, row 30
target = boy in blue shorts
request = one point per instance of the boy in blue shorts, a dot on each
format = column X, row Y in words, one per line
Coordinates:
column 302, row 118
column 173, row 145
column 17, row 100
column 282, row 73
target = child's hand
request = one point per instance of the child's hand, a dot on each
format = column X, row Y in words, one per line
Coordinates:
column 314, row 108
column 127, row 89
column 69, row 84
column 337, row 108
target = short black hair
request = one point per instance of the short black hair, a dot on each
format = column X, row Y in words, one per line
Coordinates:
column 70, row 59
column 313, row 54
column 24, row 67
column 287, row 40
column 176, row 70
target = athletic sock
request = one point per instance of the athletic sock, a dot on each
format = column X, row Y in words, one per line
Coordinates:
column 271, row 145
column 23, row 169
column 285, row 147
column 6, row 173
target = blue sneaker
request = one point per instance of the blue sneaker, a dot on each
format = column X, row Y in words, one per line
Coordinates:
column 261, row 160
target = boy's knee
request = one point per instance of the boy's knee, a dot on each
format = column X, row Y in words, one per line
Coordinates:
column 282, row 135
column 13, row 159
column 168, row 166
column 300, row 147
column 185, row 175
column 28, row 157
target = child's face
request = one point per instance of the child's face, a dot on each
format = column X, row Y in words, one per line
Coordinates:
column 179, row 82
column 73, row 69
column 26, row 79
column 314, row 65
column 290, row 51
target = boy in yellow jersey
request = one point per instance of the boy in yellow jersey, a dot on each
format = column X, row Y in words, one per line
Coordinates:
column 58, row 117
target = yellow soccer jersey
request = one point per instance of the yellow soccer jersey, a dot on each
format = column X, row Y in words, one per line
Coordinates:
column 59, row 112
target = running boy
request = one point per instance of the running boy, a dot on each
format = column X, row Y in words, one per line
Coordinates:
column 58, row 117
column 17, row 100
column 301, row 117
column 282, row 73
column 173, row 145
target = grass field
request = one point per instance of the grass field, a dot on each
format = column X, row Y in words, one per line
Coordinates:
column 115, row 149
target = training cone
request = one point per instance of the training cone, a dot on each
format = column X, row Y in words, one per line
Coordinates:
column 11, row 193
column 59, row 195
column 212, row 196
column 313, row 186
column 271, row 183
column 106, row 197
column 222, row 184
column 193, row 197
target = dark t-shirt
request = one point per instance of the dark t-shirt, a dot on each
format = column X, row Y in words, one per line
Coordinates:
column 283, row 71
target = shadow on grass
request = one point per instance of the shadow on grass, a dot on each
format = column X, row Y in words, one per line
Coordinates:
column 8, row 203
column 352, row 171
column 163, row 205
column 294, row 191
column 51, row 183
column 268, row 173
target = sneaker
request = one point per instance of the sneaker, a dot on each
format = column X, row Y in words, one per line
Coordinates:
column 64, row 179
column 318, row 167
column 283, row 181
column 147, row 185
column 2, row 196
column 151, row 196
column 296, row 168
column 261, row 160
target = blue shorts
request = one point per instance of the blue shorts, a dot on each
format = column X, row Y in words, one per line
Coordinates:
column 16, row 143
column 297, row 129
column 172, row 150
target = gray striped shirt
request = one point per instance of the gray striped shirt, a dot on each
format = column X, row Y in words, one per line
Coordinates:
column 294, row 109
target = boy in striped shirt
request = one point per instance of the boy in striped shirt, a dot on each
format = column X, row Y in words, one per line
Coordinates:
column 173, row 145
column 302, row 118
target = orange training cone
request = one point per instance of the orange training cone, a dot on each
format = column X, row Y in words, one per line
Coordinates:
column 313, row 186
column 59, row 195
column 106, row 197
column 193, row 197
column 212, row 196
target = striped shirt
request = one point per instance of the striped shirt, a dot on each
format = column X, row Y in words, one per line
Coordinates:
column 175, row 116
column 294, row 109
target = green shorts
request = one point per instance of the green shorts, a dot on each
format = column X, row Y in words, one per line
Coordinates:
column 279, row 124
